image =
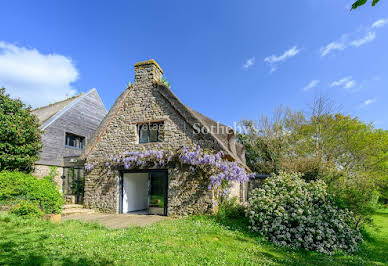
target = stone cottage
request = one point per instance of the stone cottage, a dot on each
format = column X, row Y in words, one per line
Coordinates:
column 134, row 124
column 67, row 126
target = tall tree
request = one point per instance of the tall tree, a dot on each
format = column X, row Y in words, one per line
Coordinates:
column 350, row 155
column 19, row 135
column 270, row 140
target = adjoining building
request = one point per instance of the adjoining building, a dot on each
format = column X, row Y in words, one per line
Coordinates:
column 67, row 127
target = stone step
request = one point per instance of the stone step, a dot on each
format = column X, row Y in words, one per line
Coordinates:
column 72, row 211
column 72, row 206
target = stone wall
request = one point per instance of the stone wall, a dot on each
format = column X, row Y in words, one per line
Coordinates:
column 102, row 190
column 143, row 104
column 41, row 170
column 188, row 193
column 235, row 191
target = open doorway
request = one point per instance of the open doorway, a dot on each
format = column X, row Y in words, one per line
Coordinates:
column 73, row 183
column 143, row 192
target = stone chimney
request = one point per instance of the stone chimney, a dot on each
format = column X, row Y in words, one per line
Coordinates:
column 147, row 72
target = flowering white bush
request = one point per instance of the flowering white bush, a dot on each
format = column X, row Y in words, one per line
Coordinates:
column 292, row 212
column 220, row 172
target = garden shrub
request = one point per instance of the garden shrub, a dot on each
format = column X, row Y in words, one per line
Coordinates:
column 291, row 212
column 20, row 136
column 14, row 184
column 43, row 192
column 356, row 192
column 51, row 175
column 26, row 208
column 46, row 193
column 230, row 208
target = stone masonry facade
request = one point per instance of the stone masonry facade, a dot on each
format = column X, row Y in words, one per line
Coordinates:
column 143, row 103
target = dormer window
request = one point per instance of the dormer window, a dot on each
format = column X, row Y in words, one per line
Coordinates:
column 74, row 141
column 151, row 132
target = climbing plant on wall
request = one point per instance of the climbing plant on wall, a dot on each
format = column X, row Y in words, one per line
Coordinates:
column 219, row 172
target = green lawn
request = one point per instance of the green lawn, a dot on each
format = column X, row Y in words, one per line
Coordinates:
column 193, row 240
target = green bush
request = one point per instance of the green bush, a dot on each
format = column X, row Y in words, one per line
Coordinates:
column 16, row 185
column 19, row 135
column 230, row 208
column 356, row 192
column 291, row 212
column 26, row 208
column 48, row 196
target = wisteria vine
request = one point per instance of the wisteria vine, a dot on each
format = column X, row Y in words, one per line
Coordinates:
column 221, row 173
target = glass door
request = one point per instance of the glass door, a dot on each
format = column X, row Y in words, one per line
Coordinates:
column 158, row 192
column 73, row 183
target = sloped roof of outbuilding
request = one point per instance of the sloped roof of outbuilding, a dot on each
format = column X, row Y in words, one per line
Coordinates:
column 49, row 113
column 44, row 113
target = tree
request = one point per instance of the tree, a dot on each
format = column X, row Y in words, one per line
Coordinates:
column 270, row 140
column 19, row 135
column 359, row 3
column 348, row 154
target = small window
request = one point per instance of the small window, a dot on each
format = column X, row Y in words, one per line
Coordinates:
column 152, row 132
column 74, row 141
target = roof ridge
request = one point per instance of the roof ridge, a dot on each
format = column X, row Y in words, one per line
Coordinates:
column 61, row 101
column 68, row 106
column 211, row 119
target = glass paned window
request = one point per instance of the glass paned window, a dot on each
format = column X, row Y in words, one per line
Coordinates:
column 150, row 132
column 74, row 141
column 81, row 143
column 154, row 131
column 143, row 134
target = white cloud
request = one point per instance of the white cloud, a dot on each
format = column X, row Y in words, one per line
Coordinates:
column 38, row 79
column 370, row 36
column 289, row 53
column 380, row 23
column 346, row 83
column 311, row 85
column 369, row 101
column 338, row 45
column 350, row 84
column 353, row 39
column 250, row 62
column 273, row 59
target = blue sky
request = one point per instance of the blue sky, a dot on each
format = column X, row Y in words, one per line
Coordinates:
column 230, row 60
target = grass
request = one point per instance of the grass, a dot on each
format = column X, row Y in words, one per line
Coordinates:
column 192, row 240
column 157, row 200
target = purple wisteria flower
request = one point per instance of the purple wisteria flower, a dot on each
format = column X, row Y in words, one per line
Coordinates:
column 221, row 173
